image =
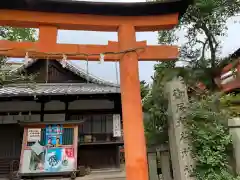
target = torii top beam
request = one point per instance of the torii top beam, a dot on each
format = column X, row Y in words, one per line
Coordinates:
column 51, row 15
column 78, row 15
column 99, row 8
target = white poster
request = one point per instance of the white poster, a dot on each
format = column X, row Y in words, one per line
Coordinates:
column 117, row 130
column 34, row 134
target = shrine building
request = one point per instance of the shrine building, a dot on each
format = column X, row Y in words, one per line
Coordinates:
column 63, row 92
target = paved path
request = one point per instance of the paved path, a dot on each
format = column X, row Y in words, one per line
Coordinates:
column 110, row 176
column 106, row 175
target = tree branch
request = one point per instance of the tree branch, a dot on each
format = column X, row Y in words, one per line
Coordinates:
column 212, row 44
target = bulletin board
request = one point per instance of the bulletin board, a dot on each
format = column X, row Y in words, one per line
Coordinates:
column 49, row 148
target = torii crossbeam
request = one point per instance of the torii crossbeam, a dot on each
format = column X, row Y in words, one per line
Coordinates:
column 124, row 18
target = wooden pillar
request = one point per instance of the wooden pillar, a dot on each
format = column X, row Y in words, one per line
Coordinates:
column 42, row 111
column 134, row 139
column 66, row 110
column 152, row 165
column 165, row 165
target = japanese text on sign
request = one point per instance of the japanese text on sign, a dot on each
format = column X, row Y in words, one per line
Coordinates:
column 117, row 125
column 34, row 135
column 179, row 97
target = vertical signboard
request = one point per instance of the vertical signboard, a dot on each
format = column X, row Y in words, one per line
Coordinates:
column 117, row 130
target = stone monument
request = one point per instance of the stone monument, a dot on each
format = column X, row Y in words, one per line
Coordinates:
column 182, row 162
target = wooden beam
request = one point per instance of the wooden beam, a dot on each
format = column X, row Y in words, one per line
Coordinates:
column 62, row 98
column 117, row 142
column 70, row 112
column 32, row 19
column 73, row 51
column 230, row 66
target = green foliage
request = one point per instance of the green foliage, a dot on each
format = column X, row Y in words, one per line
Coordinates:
column 203, row 23
column 7, row 76
column 17, row 34
column 231, row 103
column 210, row 139
column 155, row 104
column 206, row 123
column 144, row 88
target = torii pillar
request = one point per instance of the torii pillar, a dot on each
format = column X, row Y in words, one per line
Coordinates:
column 126, row 25
column 134, row 138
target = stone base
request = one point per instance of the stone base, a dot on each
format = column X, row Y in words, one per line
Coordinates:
column 122, row 167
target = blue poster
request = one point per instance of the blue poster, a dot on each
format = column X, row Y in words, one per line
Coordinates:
column 59, row 160
column 54, row 135
column 53, row 160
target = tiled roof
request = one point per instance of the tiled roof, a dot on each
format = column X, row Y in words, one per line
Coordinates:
column 76, row 70
column 236, row 54
column 56, row 89
column 82, row 73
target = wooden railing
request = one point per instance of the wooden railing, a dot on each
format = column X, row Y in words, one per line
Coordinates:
column 229, row 79
column 98, row 139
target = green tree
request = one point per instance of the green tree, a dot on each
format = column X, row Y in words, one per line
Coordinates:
column 155, row 104
column 144, row 88
column 14, row 34
column 211, row 143
column 204, row 23
column 17, row 34
column 206, row 120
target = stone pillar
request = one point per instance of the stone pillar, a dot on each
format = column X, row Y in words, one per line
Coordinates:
column 165, row 165
column 234, row 128
column 181, row 160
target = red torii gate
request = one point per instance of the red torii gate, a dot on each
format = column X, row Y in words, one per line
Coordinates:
column 124, row 18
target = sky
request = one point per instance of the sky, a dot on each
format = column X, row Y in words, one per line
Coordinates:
column 107, row 70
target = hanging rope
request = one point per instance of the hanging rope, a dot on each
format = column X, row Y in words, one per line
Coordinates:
column 116, row 68
column 87, row 70
column 77, row 54
column 101, row 55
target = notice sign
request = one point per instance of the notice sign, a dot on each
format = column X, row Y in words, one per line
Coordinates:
column 34, row 135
